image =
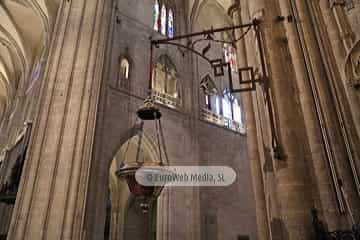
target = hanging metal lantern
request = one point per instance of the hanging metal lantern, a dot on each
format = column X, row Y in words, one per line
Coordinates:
column 127, row 171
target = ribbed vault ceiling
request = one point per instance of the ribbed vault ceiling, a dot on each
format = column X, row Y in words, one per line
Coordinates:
column 209, row 13
column 24, row 37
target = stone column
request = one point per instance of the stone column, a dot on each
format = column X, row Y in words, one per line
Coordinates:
column 51, row 198
column 339, row 56
column 346, row 33
column 251, row 134
column 163, row 216
column 292, row 185
column 324, row 196
column 324, row 79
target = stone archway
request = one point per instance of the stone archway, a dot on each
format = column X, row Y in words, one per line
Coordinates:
column 125, row 219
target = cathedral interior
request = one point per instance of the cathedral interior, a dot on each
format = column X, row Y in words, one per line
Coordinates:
column 268, row 88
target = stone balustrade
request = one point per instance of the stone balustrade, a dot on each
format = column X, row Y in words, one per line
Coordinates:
column 212, row 117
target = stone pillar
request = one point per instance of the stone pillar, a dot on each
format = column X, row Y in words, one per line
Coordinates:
column 52, row 195
column 251, row 134
column 162, row 232
column 340, row 52
column 292, row 185
column 324, row 79
column 324, row 196
column 5, row 213
column 346, row 33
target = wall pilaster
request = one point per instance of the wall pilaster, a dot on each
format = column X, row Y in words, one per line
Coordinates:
column 291, row 198
column 52, row 195
column 251, row 133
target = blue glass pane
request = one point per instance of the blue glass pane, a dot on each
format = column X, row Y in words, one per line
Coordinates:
column 215, row 105
column 171, row 24
column 226, row 108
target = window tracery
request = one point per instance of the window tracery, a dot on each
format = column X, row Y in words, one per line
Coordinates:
column 171, row 23
column 157, row 22
column 164, row 18
column 165, row 82
column 224, row 110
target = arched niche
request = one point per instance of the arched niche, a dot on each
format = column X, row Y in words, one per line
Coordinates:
column 125, row 219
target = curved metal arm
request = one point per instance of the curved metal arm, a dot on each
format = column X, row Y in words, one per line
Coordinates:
column 187, row 48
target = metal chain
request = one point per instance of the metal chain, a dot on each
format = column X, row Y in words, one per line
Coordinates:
column 158, row 139
column 140, row 141
column 163, row 141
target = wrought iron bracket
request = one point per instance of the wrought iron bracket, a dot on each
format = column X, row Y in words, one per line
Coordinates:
column 220, row 68
column 218, row 64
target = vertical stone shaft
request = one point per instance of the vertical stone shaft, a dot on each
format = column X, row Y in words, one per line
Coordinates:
column 344, row 26
column 251, row 136
column 340, row 52
column 328, row 99
column 292, row 177
column 325, row 198
column 53, row 188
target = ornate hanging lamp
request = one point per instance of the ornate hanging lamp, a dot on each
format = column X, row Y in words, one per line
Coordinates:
column 146, row 194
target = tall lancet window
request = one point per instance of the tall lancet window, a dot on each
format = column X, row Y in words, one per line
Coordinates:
column 230, row 56
column 227, row 105
column 171, row 23
column 124, row 72
column 237, row 112
column 163, row 20
column 157, row 21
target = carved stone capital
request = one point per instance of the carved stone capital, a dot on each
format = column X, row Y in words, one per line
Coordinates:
column 234, row 8
column 352, row 66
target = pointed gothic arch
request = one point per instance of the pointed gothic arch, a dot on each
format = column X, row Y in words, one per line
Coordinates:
column 124, row 219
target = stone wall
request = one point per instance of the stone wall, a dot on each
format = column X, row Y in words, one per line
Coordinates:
column 354, row 17
column 189, row 140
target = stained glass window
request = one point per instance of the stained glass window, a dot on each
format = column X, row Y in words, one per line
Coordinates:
column 227, row 104
column 215, row 104
column 157, row 16
column 237, row 112
column 171, row 23
column 230, row 56
column 163, row 20
column 124, row 69
column 207, row 101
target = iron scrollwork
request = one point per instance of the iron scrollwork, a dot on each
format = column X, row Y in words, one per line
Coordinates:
column 220, row 68
column 254, row 75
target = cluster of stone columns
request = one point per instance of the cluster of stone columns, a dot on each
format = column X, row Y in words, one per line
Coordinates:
column 51, row 198
column 315, row 159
